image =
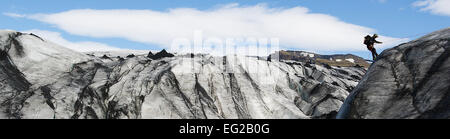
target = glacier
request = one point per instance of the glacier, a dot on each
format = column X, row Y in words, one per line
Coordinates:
column 42, row 80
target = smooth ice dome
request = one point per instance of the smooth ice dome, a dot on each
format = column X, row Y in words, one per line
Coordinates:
column 409, row 81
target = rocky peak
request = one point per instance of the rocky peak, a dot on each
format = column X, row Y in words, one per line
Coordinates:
column 163, row 53
column 150, row 54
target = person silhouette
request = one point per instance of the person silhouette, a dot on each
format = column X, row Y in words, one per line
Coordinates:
column 370, row 41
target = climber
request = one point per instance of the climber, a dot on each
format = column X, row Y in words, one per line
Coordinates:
column 370, row 42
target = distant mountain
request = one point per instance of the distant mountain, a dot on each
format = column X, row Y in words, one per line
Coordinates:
column 347, row 60
column 121, row 53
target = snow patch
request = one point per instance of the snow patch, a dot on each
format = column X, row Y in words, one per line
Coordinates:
column 350, row 60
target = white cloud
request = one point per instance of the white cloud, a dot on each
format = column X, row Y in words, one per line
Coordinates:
column 84, row 46
column 439, row 7
column 14, row 15
column 296, row 27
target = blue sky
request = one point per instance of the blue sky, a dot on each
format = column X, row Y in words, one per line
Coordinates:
column 397, row 19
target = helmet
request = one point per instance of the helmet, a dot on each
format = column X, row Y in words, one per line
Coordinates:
column 375, row 35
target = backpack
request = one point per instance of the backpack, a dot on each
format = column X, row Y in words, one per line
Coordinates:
column 367, row 40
